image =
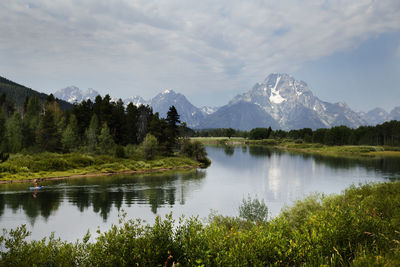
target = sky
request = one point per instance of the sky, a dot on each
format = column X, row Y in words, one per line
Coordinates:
column 207, row 50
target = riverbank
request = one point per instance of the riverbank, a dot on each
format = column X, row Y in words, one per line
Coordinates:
column 310, row 148
column 359, row 227
column 53, row 166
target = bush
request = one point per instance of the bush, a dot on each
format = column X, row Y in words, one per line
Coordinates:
column 253, row 210
column 4, row 156
column 119, row 151
column 196, row 151
column 149, row 146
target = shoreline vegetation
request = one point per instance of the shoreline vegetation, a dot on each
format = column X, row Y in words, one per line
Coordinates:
column 345, row 151
column 359, row 227
column 51, row 166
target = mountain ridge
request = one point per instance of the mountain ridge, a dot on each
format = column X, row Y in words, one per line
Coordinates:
column 280, row 101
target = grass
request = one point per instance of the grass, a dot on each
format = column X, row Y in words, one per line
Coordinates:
column 360, row 227
column 46, row 165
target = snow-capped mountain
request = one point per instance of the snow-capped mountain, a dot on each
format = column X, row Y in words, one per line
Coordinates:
column 279, row 101
column 206, row 110
column 73, row 94
column 136, row 100
column 292, row 105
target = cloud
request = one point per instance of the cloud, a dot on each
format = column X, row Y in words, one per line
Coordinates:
column 187, row 45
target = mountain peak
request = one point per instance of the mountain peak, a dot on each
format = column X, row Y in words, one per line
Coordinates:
column 168, row 91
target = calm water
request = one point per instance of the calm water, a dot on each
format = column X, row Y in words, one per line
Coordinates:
column 71, row 207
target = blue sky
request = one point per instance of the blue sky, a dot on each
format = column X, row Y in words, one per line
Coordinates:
column 208, row 50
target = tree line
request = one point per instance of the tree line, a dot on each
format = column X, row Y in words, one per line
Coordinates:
column 385, row 134
column 98, row 127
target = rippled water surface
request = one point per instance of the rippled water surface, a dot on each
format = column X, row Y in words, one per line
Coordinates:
column 71, row 207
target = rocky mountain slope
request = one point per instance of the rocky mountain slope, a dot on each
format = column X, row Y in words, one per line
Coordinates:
column 279, row 101
column 291, row 104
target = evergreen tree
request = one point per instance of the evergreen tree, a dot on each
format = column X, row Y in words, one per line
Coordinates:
column 92, row 133
column 144, row 116
column 131, row 124
column 117, row 124
column 83, row 113
column 2, row 132
column 70, row 138
column 14, row 133
column 106, row 141
column 172, row 130
column 47, row 137
column 30, row 122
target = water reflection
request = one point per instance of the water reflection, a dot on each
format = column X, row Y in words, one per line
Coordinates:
column 102, row 194
column 71, row 207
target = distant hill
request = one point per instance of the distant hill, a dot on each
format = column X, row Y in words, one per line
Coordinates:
column 18, row 93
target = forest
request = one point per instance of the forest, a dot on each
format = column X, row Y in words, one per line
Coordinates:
column 386, row 134
column 93, row 127
column 91, row 137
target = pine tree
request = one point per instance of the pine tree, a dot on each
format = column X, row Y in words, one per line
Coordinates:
column 30, row 122
column 106, row 141
column 172, row 131
column 47, row 137
column 70, row 138
column 131, row 124
column 91, row 133
column 14, row 133
column 2, row 132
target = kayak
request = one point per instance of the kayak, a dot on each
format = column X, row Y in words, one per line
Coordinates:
column 36, row 188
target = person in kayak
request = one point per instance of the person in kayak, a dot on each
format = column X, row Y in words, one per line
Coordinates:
column 35, row 183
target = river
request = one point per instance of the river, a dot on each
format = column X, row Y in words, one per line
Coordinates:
column 72, row 207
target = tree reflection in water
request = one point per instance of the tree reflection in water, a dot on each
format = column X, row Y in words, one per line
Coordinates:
column 102, row 193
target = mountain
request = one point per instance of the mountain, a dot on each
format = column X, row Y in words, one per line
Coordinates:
column 395, row 114
column 188, row 113
column 18, row 93
column 73, row 94
column 240, row 115
column 279, row 101
column 160, row 103
column 136, row 100
column 206, row 110
column 375, row 116
column 291, row 104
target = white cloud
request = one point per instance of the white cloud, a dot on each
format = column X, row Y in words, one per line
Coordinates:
column 187, row 45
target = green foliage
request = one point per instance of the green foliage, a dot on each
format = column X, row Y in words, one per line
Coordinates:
column 260, row 133
column 149, row 146
column 359, row 227
column 119, row 151
column 106, row 141
column 3, row 130
column 48, row 138
column 253, row 210
column 92, row 133
column 70, row 138
column 195, row 150
column 4, row 156
column 14, row 133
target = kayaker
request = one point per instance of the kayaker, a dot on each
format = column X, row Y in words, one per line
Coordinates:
column 35, row 183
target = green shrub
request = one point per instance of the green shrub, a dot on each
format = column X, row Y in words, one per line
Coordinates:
column 196, row 151
column 253, row 210
column 119, row 151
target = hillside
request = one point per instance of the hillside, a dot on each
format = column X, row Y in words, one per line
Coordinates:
column 18, row 93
